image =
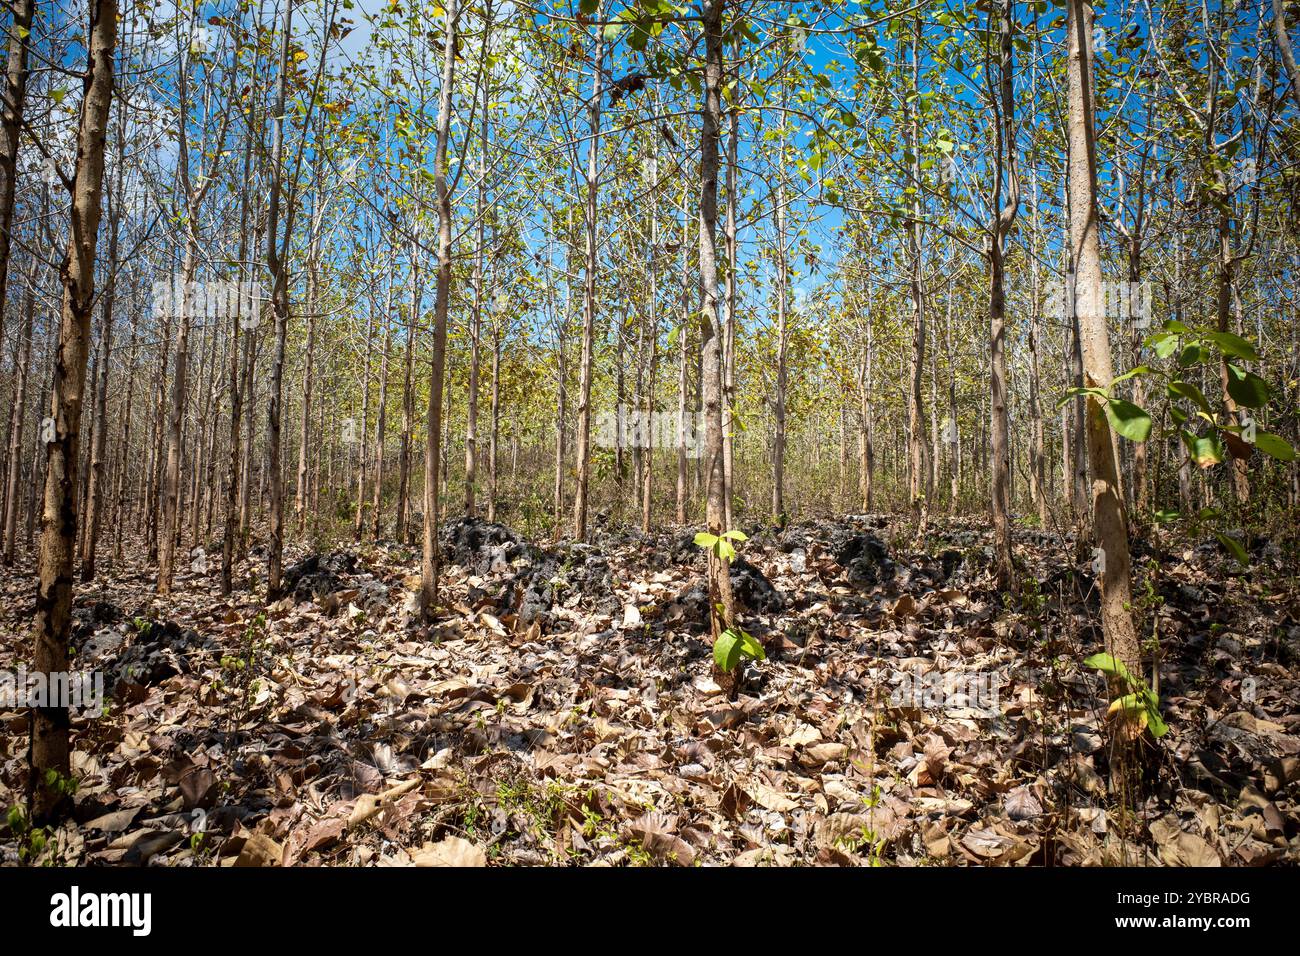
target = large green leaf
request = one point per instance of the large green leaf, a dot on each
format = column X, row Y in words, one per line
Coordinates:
column 726, row 651
column 750, row 647
column 1234, row 345
column 1205, row 451
column 1108, row 664
column 1234, row 548
column 1128, row 420
column 1274, row 445
column 1164, row 343
column 1181, row 389
column 1247, row 388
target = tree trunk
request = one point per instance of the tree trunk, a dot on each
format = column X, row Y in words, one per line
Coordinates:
column 381, row 423
column 17, row 418
column 49, row 773
column 710, row 328
column 442, row 298
column 585, row 371
column 15, row 94
column 401, row 529
column 999, row 426
column 280, row 306
column 1109, row 522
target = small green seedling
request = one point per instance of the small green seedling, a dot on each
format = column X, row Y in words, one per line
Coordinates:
column 1141, row 705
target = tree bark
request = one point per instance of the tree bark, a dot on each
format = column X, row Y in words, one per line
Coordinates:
column 442, row 298
column 49, row 774
column 585, row 371
column 1111, row 529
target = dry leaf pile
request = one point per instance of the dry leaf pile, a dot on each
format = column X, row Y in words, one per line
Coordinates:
column 560, row 710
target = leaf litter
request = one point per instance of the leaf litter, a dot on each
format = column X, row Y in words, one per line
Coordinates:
column 560, row 710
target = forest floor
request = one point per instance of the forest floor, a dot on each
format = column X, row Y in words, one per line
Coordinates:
column 561, row 709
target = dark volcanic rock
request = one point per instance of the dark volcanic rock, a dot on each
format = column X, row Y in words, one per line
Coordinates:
column 752, row 588
column 318, row 575
column 161, row 649
column 572, row 575
column 866, row 561
column 485, row 546
column 753, row 592
column 87, row 620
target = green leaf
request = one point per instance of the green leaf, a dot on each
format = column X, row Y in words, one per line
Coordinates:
column 1180, row 389
column 1234, row 547
column 1247, row 388
column 751, row 648
column 1204, row 451
column 1274, row 445
column 705, row 540
column 726, row 651
column 1233, row 345
column 1164, row 343
column 1108, row 664
column 1131, row 373
column 1128, row 420
column 736, row 536
column 1129, row 702
column 588, row 7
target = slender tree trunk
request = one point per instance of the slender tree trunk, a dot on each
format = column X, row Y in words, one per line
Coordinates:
column 710, row 327
column 1110, row 526
column 245, row 313
column 494, row 437
column 1283, row 40
column 585, row 370
column 476, row 315
column 915, row 413
column 179, row 305
column 652, row 343
column 401, row 532
column 15, row 94
column 381, row 424
column 683, row 356
column 999, row 426
column 359, row 517
column 729, row 330
column 280, row 307
column 17, row 418
column 442, row 298
column 50, row 772
column 301, row 492
column 95, row 491
column 782, row 345
column 866, row 451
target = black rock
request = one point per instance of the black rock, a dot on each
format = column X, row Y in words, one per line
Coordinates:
column 951, row 560
column 485, row 546
column 161, row 649
column 752, row 588
column 866, row 561
column 87, row 620
column 317, row 575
